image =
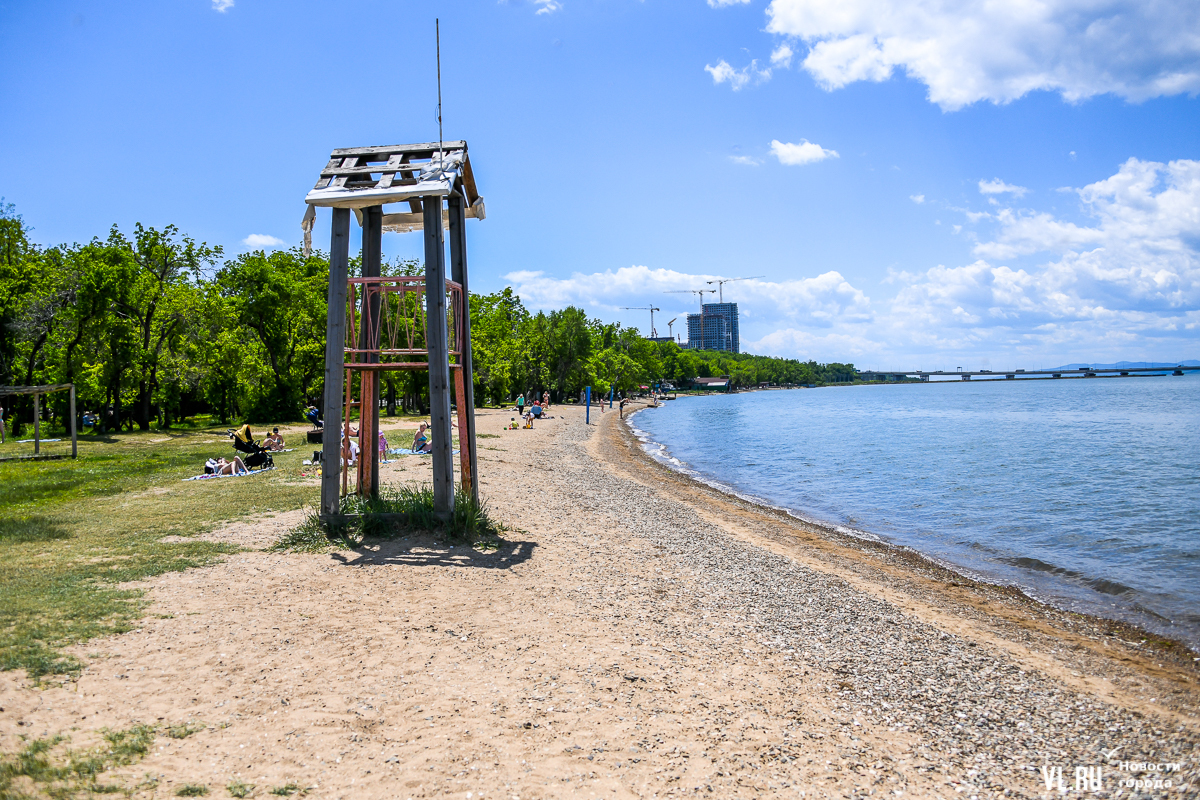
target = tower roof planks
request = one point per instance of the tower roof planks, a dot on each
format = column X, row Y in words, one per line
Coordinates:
column 360, row 177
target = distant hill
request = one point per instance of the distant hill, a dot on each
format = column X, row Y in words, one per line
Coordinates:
column 1134, row 365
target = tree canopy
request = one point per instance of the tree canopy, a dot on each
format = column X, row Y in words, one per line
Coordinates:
column 160, row 327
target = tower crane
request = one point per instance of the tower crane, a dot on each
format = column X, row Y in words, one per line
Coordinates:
column 720, row 282
column 700, row 293
column 671, row 330
column 651, row 309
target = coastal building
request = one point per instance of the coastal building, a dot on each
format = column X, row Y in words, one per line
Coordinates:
column 717, row 329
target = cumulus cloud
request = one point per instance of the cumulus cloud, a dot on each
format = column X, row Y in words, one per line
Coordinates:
column 737, row 78
column 222, row 5
column 820, row 302
column 260, row 241
column 1130, row 279
column 998, row 186
column 782, row 56
column 805, row 152
column 1120, row 280
column 966, row 51
column 917, row 198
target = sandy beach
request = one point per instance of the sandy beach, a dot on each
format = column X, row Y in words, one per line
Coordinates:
column 637, row 635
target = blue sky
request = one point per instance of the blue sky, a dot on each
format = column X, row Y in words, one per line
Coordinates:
column 922, row 184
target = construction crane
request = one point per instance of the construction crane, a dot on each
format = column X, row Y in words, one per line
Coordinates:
column 720, row 282
column 671, row 330
column 701, row 293
column 651, row 309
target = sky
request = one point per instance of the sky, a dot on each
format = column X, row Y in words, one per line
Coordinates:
column 907, row 183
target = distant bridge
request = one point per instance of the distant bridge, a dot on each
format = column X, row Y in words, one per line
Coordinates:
column 987, row 374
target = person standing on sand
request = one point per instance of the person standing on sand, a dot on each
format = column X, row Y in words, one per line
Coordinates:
column 520, row 404
column 622, row 405
column 545, row 400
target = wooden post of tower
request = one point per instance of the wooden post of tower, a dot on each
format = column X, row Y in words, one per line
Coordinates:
column 335, row 342
column 368, row 407
column 439, row 357
column 458, row 274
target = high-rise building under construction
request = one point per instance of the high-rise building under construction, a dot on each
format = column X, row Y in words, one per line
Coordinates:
column 716, row 330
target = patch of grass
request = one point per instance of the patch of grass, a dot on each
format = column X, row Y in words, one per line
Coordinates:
column 310, row 536
column 487, row 436
column 34, row 528
column 127, row 746
column 72, row 531
column 239, row 789
column 469, row 521
column 185, row 730
column 62, row 773
column 191, row 790
column 287, row 790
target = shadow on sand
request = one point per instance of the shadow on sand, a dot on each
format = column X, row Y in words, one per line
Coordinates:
column 420, row 551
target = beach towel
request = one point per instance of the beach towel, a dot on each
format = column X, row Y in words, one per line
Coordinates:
column 399, row 452
column 237, row 475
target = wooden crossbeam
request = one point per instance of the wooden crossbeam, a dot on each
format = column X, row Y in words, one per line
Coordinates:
column 386, row 150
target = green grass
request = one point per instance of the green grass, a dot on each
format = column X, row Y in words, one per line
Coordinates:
column 191, row 790
column 44, row 767
column 71, row 532
column 286, row 790
column 185, row 730
column 239, row 789
column 469, row 521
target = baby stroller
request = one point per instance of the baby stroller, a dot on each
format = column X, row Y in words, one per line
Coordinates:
column 255, row 456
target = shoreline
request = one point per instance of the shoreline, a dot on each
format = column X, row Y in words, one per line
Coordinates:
column 1123, row 628
column 634, row 635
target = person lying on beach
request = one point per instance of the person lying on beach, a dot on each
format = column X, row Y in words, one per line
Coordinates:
column 219, row 466
column 273, row 441
column 421, row 442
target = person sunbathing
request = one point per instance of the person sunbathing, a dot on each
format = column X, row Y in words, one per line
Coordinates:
column 422, row 442
column 219, row 466
column 274, row 441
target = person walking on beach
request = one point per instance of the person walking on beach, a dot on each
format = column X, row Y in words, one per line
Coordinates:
column 545, row 400
column 622, row 406
column 520, row 404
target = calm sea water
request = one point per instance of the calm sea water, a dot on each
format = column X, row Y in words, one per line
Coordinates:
column 1084, row 493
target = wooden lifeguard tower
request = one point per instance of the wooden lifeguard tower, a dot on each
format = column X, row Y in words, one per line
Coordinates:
column 397, row 323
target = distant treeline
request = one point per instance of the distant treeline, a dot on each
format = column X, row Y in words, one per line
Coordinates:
column 162, row 328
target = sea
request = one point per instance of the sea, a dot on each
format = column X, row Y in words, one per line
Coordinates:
column 1083, row 493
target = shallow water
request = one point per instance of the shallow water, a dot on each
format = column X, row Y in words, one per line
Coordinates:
column 1084, row 493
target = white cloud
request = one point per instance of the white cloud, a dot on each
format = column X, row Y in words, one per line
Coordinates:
column 1122, row 282
column 965, row 51
column 917, row 198
column 805, row 152
column 547, row 6
column 222, row 5
column 782, row 56
column 260, row 241
column 998, row 186
column 724, row 3
column 745, row 160
column 737, row 78
column 821, row 301
column 1132, row 280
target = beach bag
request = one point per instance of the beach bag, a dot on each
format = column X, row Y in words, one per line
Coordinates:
column 210, row 466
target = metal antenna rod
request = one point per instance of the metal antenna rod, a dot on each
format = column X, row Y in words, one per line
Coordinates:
column 437, row 29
